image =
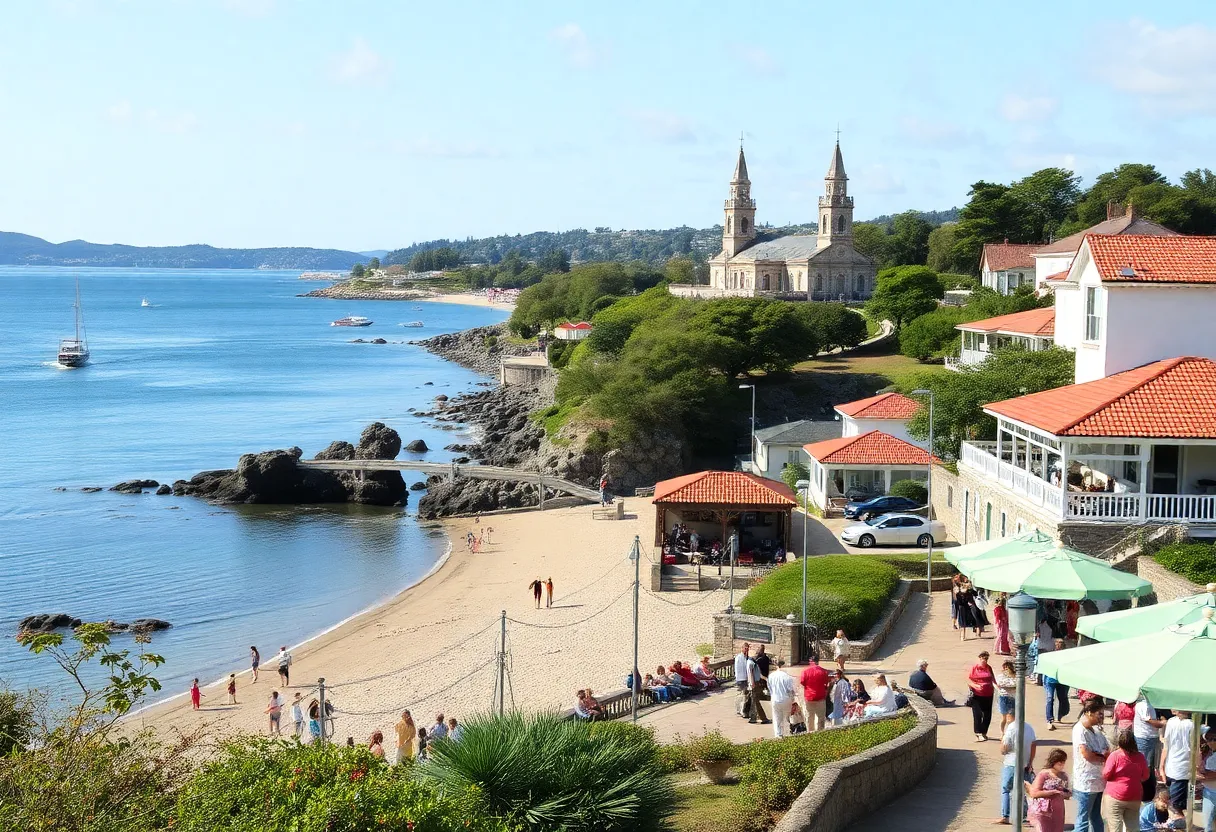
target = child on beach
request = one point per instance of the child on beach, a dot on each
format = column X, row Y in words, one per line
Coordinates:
column 297, row 715
column 195, row 695
column 231, row 688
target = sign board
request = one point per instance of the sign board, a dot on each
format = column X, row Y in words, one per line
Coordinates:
column 748, row 631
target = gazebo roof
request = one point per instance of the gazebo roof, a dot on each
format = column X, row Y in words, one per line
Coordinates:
column 733, row 488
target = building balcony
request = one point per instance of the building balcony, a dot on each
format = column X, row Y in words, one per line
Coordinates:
column 1125, row 507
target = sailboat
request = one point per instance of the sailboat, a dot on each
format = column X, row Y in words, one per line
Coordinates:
column 144, row 302
column 74, row 352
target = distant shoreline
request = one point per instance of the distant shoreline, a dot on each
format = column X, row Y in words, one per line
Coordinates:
column 470, row 298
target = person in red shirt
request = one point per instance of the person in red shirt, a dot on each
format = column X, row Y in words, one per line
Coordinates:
column 981, row 680
column 814, row 681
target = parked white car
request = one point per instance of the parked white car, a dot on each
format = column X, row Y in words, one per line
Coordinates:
column 894, row 530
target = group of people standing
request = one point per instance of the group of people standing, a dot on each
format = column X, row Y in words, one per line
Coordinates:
column 413, row 741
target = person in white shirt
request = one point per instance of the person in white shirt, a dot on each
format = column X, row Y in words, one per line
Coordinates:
column 1146, row 728
column 882, row 698
column 840, row 649
column 439, row 730
column 741, row 703
column 1175, row 768
column 1011, row 768
column 781, row 692
column 1089, row 751
column 284, row 662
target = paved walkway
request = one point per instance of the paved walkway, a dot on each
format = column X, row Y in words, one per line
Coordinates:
column 963, row 790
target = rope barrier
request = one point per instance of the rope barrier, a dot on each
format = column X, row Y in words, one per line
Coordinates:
column 417, row 699
column 572, row 623
column 411, row 665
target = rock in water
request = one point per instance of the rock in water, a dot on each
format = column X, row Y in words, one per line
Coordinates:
column 148, row 625
column 378, row 488
column 134, row 486
column 47, row 622
column 418, row 486
column 417, row 446
column 164, row 489
column 337, row 450
column 378, row 441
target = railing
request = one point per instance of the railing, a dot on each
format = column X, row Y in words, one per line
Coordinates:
column 978, row 455
column 1101, row 505
column 619, row 703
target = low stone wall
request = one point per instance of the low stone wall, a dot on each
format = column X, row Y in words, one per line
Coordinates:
column 862, row 649
column 844, row 791
column 939, row 584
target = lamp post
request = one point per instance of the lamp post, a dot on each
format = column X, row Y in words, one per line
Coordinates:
column 733, row 545
column 753, row 446
column 805, row 487
column 1023, row 611
column 929, row 493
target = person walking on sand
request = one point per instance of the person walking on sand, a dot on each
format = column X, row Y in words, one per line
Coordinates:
column 297, row 716
column 604, row 490
column 284, row 660
column 406, row 732
column 196, row 695
column 255, row 659
column 549, row 592
column 537, row 587
column 274, row 709
column 231, row 688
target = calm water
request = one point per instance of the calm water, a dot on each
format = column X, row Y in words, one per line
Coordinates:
column 223, row 363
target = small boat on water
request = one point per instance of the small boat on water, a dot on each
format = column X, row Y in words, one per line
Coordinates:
column 74, row 352
column 144, row 302
column 352, row 320
column 417, row 308
column 413, row 323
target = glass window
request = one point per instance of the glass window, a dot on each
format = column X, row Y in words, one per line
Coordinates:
column 1093, row 321
column 949, row 496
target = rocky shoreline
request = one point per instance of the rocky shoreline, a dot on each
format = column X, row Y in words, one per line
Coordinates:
column 479, row 349
column 341, row 291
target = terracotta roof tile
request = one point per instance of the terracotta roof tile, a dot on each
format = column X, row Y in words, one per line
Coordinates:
column 1141, row 259
column 579, row 325
column 882, row 406
column 872, row 448
column 1058, row 275
column 1040, row 322
column 733, row 488
column 1001, row 256
column 1175, row 398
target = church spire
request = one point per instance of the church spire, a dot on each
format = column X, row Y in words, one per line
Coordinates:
column 739, row 224
column 835, row 206
column 740, row 168
column 836, row 169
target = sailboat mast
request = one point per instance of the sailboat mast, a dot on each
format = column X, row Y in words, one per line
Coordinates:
column 77, row 308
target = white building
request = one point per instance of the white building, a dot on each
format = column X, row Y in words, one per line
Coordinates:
column 782, row 444
column 1006, row 266
column 1032, row 330
column 572, row 331
column 1056, row 258
column 886, row 412
column 861, row 465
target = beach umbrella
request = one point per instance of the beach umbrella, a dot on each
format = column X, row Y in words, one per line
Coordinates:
column 1140, row 621
column 1033, row 541
column 1057, row 573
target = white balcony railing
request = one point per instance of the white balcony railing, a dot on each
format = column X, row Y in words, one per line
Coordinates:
column 980, row 456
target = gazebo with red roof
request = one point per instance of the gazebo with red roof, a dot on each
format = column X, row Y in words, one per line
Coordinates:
column 713, row 503
column 862, row 465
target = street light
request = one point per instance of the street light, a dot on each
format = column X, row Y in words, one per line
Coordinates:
column 753, row 450
column 929, row 494
column 805, row 487
column 1023, row 626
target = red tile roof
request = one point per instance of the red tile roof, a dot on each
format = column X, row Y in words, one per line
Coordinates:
column 1175, row 398
column 873, row 448
column 882, row 406
column 1143, row 259
column 1040, row 322
column 733, row 488
column 1002, row 256
column 579, row 325
column 1058, row 276
column 1129, row 223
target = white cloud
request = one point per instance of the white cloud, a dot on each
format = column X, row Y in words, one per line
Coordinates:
column 120, row 112
column 250, row 8
column 1032, row 109
column 1167, row 70
column 442, row 149
column 580, row 52
column 761, row 61
column 666, row 127
column 362, row 65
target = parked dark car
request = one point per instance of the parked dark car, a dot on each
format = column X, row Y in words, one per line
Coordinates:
column 878, row 505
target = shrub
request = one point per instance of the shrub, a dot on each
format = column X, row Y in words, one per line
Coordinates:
column 792, row 472
column 544, row 773
column 843, row 591
column 710, row 747
column 913, row 566
column 912, row 489
column 1194, row 561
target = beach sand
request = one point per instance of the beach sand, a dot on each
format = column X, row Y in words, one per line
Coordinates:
column 468, row 299
column 432, row 647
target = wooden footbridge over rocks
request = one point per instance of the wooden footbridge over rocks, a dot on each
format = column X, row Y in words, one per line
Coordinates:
column 453, row 470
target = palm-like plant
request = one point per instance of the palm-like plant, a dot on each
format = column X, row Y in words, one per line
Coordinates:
column 546, row 773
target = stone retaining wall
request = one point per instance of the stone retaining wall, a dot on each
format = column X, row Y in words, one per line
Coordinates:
column 862, row 649
column 844, row 791
column 1167, row 585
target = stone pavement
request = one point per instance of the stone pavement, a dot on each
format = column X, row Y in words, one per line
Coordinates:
column 963, row 790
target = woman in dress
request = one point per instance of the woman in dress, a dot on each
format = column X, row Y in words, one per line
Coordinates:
column 955, row 588
column 196, row 695
column 1072, row 614
column 1047, row 794
column 964, row 605
column 982, row 682
column 314, row 720
column 854, row 708
column 842, row 694
column 255, row 659
column 1000, row 615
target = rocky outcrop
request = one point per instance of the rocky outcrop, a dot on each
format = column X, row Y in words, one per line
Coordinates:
column 274, row 477
column 465, row 496
column 164, row 489
column 479, row 349
column 134, row 486
column 47, row 622
column 417, row 446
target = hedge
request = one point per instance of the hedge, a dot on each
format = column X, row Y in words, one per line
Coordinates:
column 1194, row 561
column 843, row 592
column 913, row 566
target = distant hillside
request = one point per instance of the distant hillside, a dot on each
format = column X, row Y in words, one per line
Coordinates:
column 931, row 217
column 24, row 250
column 649, row 245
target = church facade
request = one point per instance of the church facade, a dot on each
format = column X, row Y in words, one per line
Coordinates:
column 797, row 267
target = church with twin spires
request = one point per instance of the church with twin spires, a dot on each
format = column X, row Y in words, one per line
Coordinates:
column 796, row 267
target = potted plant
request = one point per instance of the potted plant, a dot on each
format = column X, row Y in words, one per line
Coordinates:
column 712, row 754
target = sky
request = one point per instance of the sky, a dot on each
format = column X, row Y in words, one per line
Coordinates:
column 365, row 125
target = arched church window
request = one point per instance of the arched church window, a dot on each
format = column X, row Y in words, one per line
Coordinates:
column 840, row 223
column 764, row 283
column 861, row 284
column 728, row 224
column 818, row 283
column 743, row 221
column 824, row 226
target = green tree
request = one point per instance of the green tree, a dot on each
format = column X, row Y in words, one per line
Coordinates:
column 991, row 214
column 680, row 270
column 373, row 264
column 555, row 260
column 16, row 722
column 932, row 334
column 764, row 334
column 912, row 489
column 357, row 270
column 834, row 324
column 1113, row 186
column 908, row 243
column 792, row 472
column 1044, row 200
column 940, row 256
column 903, row 293
column 870, row 239
column 959, row 398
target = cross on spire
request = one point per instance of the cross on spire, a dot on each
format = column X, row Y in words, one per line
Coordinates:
column 838, row 132
column 740, row 139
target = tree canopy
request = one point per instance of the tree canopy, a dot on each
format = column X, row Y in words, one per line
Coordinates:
column 903, row 293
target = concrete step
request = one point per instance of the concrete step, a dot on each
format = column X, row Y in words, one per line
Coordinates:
column 680, row 583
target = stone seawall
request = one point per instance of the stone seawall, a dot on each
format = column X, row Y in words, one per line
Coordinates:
column 844, row 791
column 1167, row 585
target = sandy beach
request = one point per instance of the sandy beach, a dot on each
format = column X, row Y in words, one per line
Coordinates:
column 432, row 647
column 468, row 299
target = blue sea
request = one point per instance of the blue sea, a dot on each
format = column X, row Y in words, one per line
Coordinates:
column 222, row 363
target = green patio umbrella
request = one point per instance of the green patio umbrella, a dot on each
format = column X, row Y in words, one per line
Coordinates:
column 997, row 547
column 1058, row 573
column 1140, row 621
